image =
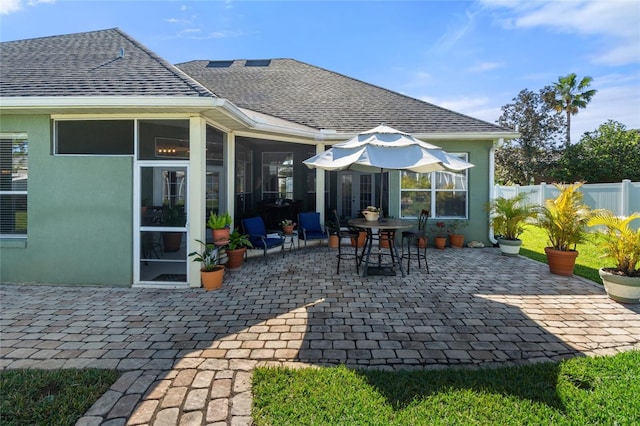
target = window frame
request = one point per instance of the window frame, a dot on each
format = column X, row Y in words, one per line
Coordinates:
column 277, row 194
column 12, row 136
column 434, row 190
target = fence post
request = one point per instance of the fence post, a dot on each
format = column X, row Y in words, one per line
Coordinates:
column 541, row 192
column 625, row 196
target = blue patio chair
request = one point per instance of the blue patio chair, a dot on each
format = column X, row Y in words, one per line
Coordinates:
column 309, row 228
column 255, row 229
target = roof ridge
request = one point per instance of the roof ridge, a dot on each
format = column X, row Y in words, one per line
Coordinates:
column 170, row 67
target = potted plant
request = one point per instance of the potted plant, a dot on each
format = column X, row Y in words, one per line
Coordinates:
column 456, row 238
column 621, row 244
column 287, row 226
column 173, row 216
column 211, row 272
column 371, row 213
column 508, row 217
column 440, row 240
column 332, row 228
column 565, row 220
column 220, row 225
column 236, row 249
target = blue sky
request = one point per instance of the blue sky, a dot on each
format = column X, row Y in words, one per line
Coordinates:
column 469, row 56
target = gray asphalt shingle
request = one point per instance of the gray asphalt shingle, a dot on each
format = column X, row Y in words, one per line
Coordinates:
column 323, row 99
column 89, row 64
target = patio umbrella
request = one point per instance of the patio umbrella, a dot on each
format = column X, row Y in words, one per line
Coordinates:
column 384, row 147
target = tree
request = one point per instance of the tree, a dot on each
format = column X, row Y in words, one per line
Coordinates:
column 570, row 96
column 530, row 157
column 609, row 154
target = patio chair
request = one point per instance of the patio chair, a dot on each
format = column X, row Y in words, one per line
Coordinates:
column 257, row 232
column 309, row 228
column 351, row 235
column 411, row 237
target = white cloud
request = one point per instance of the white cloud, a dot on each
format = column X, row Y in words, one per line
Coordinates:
column 454, row 33
column 616, row 21
column 478, row 107
column 485, row 66
column 619, row 102
column 10, row 6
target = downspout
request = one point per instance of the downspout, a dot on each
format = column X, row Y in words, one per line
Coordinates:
column 492, row 186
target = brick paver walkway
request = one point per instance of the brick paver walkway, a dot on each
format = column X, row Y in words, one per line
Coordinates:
column 187, row 355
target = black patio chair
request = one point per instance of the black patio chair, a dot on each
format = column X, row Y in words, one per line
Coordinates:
column 411, row 238
column 351, row 235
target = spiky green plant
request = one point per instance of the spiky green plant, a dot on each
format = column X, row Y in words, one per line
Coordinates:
column 208, row 257
column 620, row 242
column 509, row 215
column 565, row 217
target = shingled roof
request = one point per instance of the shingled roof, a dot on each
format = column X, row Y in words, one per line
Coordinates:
column 323, row 99
column 98, row 63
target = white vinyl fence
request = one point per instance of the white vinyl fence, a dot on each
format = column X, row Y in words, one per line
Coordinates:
column 622, row 198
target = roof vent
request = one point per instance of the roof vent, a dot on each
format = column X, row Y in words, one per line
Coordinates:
column 257, row 63
column 121, row 53
column 219, row 64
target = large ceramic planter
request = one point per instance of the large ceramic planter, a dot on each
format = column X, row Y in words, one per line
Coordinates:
column 221, row 236
column 509, row 247
column 456, row 240
column 334, row 241
column 235, row 258
column 212, row 280
column 440, row 242
column 561, row 262
column 620, row 287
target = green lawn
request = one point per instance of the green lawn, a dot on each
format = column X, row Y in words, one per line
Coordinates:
column 579, row 391
column 534, row 240
column 50, row 397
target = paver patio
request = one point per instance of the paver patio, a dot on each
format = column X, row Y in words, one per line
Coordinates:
column 187, row 355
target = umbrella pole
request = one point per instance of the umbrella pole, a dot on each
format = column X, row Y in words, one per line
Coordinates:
column 381, row 177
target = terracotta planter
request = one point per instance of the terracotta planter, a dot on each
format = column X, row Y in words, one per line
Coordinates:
column 212, row 280
column 287, row 229
column 220, row 236
column 621, row 288
column 362, row 236
column 235, row 258
column 561, row 262
column 440, row 242
column 456, row 240
column 333, row 241
column 421, row 242
column 171, row 241
column 384, row 242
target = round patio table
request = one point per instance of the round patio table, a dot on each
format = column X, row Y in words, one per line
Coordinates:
column 390, row 226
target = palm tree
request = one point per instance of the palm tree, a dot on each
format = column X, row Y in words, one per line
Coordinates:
column 570, row 96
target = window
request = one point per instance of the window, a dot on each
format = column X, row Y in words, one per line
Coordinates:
column 442, row 193
column 94, row 137
column 277, row 175
column 14, row 168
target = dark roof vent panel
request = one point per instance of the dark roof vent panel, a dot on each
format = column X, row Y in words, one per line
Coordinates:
column 219, row 64
column 257, row 63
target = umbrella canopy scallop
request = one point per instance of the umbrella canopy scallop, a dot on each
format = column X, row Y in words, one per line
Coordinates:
column 386, row 148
